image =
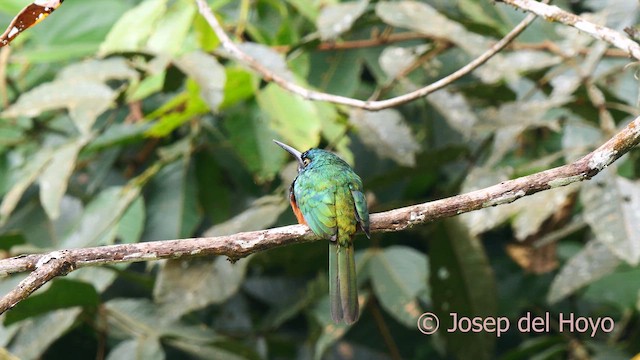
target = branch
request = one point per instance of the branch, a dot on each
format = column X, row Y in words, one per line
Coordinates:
column 554, row 13
column 47, row 266
column 309, row 94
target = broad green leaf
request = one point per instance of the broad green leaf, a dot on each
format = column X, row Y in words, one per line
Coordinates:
column 186, row 285
column 25, row 177
column 85, row 100
column 131, row 224
column 252, row 139
column 462, row 282
column 483, row 13
column 578, row 138
column 398, row 275
column 55, row 176
column 118, row 135
column 387, row 133
column 308, row 9
column 100, row 218
column 178, row 111
column 140, row 348
column 240, row 85
column 620, row 288
column 171, row 31
column 295, row 119
column 592, row 263
column 336, row 73
column 207, row 73
column 133, row 29
column 171, row 201
column 148, row 86
column 335, row 19
column 61, row 294
column 100, row 277
column 268, row 58
column 114, row 68
column 456, row 109
column 37, row 334
column 142, row 317
column 395, row 60
column 612, row 210
column 261, row 214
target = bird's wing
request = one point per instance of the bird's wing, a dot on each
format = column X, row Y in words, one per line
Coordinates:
column 318, row 209
column 362, row 212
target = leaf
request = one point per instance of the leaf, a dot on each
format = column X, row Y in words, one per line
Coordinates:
column 394, row 60
column 338, row 18
column 296, row 120
column 398, row 275
column 100, row 217
column 26, row 176
column 619, row 288
column 612, row 210
column 456, row 110
column 593, row 262
column 37, row 334
column 387, row 133
column 261, row 214
column 186, row 285
column 208, row 74
column 119, row 135
column 144, row 318
column 336, row 73
column 269, row 58
column 99, row 70
column 55, row 176
column 61, row 294
column 85, row 100
column 240, row 85
column 462, row 282
column 140, row 348
column 133, row 29
column 578, row 138
column 131, row 225
column 172, row 204
column 170, row 34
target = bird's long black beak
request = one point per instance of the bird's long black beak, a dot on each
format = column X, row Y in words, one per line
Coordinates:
column 292, row 151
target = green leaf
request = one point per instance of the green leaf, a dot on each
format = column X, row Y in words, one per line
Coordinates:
column 261, row 214
column 173, row 212
column 38, row 333
column 593, row 262
column 25, row 177
column 336, row 73
column 240, row 85
column 186, row 285
column 252, row 139
column 612, row 210
column 55, row 176
column 620, row 288
column 133, row 29
column 171, row 31
column 61, row 294
column 207, row 73
column 295, row 119
column 463, row 283
column 117, row 135
column 99, row 70
column 335, row 19
column 85, row 100
column 131, row 224
column 387, row 133
column 398, row 275
column 140, row 348
column 100, row 218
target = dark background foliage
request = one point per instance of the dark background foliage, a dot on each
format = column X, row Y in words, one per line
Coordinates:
column 124, row 121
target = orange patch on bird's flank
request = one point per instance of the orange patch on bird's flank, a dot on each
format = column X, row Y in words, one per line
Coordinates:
column 296, row 210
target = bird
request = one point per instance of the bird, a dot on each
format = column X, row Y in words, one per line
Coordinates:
column 328, row 196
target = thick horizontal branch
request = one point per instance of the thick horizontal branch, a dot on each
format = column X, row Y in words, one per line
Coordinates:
column 46, row 266
column 554, row 13
column 309, row 94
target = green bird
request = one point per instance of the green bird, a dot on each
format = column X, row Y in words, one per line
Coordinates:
column 327, row 195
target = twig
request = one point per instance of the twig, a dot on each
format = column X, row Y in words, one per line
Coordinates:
column 308, row 94
column 46, row 267
column 554, row 13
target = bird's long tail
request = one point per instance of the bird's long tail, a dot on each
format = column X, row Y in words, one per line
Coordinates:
column 343, row 284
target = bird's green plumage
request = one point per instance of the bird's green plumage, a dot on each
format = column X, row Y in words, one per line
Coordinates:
column 330, row 197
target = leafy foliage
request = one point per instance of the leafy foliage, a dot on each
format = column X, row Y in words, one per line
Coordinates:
column 125, row 121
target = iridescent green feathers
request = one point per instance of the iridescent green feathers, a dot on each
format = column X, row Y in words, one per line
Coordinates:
column 329, row 195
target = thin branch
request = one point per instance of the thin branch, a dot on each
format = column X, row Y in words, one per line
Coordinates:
column 46, row 267
column 309, row 94
column 554, row 13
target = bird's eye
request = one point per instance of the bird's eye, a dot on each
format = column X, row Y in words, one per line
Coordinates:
column 306, row 161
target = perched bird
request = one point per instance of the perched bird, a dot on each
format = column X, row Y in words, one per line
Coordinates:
column 327, row 195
